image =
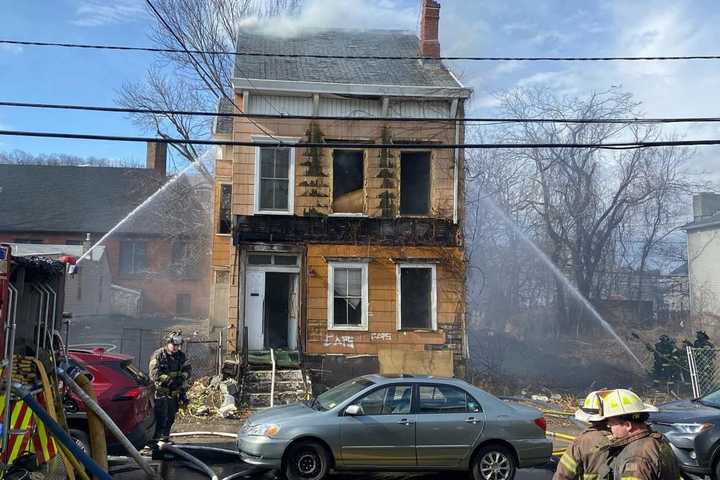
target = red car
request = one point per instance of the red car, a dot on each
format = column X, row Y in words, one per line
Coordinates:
column 123, row 391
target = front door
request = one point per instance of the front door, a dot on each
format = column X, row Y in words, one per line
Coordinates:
column 255, row 308
column 449, row 422
column 384, row 435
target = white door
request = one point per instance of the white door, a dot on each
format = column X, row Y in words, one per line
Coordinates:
column 255, row 309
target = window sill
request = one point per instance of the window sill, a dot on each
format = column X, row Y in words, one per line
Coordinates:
column 223, row 234
column 274, row 212
column 361, row 215
column 361, row 328
column 418, row 330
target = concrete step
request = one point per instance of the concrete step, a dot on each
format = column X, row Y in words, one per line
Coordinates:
column 262, row 400
column 264, row 386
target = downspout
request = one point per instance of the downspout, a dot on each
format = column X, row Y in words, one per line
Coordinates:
column 456, row 174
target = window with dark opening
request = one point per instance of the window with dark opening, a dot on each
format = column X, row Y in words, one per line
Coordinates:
column 274, row 179
column 225, row 218
column 417, row 290
column 180, row 252
column 415, row 183
column 183, row 304
column 132, row 257
column 348, row 181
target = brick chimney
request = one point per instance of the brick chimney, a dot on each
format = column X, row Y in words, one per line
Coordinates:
column 705, row 205
column 429, row 27
column 157, row 157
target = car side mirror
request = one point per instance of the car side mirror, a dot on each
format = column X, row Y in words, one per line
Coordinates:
column 354, row 411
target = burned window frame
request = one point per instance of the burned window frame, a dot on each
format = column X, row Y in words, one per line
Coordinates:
column 363, row 267
column 224, row 211
column 364, row 161
column 429, row 211
column 291, row 176
column 433, row 295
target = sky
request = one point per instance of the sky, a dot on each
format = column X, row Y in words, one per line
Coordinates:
column 467, row 27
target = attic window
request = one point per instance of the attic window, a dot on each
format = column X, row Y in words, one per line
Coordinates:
column 415, row 183
column 348, row 181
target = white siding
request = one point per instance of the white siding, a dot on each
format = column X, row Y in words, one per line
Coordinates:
column 703, row 262
column 419, row 108
column 271, row 104
column 350, row 107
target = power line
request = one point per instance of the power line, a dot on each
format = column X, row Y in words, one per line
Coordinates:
column 93, row 108
column 358, row 57
column 396, row 146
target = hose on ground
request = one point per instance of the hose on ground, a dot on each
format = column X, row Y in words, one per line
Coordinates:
column 166, row 447
column 59, row 433
column 204, row 434
column 241, row 473
column 114, row 429
column 205, row 448
column 76, row 465
column 96, row 429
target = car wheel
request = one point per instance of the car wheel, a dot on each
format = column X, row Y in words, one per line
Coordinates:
column 307, row 461
column 493, row 462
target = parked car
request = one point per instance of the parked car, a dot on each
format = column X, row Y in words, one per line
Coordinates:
column 123, row 391
column 693, row 429
column 397, row 423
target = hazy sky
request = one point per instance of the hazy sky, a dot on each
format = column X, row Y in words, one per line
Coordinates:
column 468, row 27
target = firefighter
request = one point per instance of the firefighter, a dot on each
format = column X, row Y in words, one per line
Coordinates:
column 636, row 451
column 587, row 456
column 170, row 371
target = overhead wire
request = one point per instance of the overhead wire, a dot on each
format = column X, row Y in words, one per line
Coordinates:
column 352, row 144
column 484, row 120
column 359, row 57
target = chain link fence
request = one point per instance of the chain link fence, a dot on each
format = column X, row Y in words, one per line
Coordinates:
column 203, row 351
column 703, row 366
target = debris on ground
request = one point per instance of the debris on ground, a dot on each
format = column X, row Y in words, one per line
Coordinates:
column 212, row 397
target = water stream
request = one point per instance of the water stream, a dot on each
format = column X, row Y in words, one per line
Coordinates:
column 561, row 276
column 140, row 207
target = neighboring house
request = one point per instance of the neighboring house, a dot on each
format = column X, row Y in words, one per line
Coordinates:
column 155, row 253
column 343, row 253
column 704, row 255
column 88, row 291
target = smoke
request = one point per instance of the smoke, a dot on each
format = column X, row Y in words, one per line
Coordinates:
column 333, row 14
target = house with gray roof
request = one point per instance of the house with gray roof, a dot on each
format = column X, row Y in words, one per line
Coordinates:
column 704, row 256
column 338, row 253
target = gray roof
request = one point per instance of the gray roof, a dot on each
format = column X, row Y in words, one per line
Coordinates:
column 706, row 222
column 224, row 124
column 38, row 198
column 348, row 71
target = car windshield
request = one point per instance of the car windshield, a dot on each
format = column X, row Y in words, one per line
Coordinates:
column 339, row 394
column 711, row 399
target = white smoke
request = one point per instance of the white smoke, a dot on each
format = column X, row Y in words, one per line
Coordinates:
column 331, row 14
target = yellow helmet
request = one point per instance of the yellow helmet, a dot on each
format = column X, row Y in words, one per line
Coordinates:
column 619, row 402
column 590, row 408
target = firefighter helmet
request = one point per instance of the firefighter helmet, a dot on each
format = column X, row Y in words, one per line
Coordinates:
column 590, row 408
column 620, row 402
column 175, row 337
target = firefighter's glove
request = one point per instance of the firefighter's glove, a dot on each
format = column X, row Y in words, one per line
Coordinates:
column 163, row 378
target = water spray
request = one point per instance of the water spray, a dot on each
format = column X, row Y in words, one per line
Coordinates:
column 561, row 276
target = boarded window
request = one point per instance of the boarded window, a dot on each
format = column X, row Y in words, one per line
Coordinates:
column 132, row 257
column 183, row 304
column 274, row 179
column 225, row 217
column 416, row 292
column 348, row 290
column 348, row 181
column 415, row 183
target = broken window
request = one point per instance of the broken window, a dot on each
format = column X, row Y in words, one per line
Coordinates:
column 225, row 217
column 275, row 186
column 415, row 183
column 348, row 181
column 417, row 297
column 132, row 257
column 348, row 296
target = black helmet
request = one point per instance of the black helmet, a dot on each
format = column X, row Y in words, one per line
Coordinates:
column 175, row 337
column 702, row 335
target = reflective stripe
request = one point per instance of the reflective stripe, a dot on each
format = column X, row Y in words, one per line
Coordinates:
column 569, row 463
column 22, row 417
column 590, row 476
column 629, row 477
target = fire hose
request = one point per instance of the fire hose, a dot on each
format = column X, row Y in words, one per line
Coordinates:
column 166, row 447
column 59, row 433
column 204, row 434
column 114, row 429
column 98, row 443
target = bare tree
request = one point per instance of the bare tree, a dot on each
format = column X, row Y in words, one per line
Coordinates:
column 20, row 157
column 580, row 205
column 192, row 81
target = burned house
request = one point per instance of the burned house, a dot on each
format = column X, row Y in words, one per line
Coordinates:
column 343, row 254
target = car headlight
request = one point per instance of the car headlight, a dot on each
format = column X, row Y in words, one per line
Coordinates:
column 263, row 430
column 692, row 428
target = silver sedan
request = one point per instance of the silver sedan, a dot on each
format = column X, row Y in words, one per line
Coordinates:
column 397, row 424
